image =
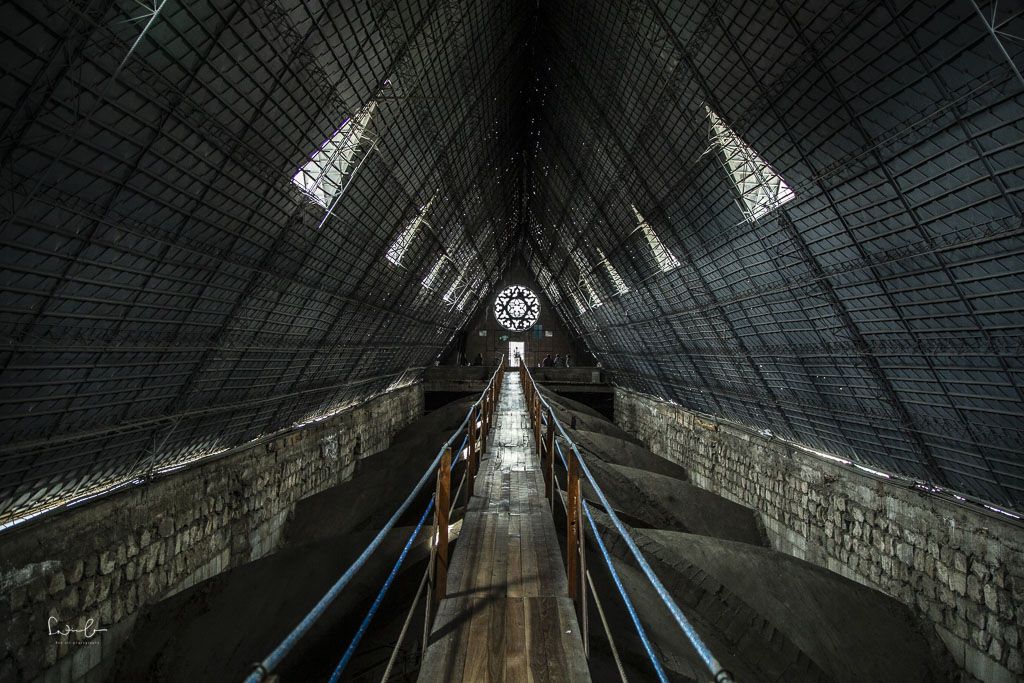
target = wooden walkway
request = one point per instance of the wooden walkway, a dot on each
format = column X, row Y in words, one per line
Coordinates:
column 507, row 616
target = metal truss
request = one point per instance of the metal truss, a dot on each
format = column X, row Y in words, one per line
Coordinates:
column 879, row 313
column 168, row 292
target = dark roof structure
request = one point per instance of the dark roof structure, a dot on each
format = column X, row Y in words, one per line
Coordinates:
column 223, row 218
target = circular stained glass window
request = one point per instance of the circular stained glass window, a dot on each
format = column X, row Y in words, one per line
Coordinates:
column 516, row 308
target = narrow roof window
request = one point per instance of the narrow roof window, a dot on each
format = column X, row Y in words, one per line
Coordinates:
column 449, row 296
column 586, row 286
column 662, row 256
column 432, row 276
column 333, row 165
column 617, row 282
column 468, row 293
column 580, row 308
column 760, row 187
column 588, row 289
column 404, row 240
column 548, row 285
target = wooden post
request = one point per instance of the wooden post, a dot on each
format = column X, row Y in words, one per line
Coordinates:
column 572, row 525
column 548, row 466
column 444, row 482
column 583, row 613
column 485, row 418
column 551, row 477
column 471, row 458
column 536, row 421
column 549, row 448
column 576, row 557
column 483, row 426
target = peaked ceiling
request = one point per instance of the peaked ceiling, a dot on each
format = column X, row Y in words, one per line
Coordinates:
column 172, row 286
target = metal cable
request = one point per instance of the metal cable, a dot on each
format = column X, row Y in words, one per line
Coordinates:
column 272, row 660
column 607, row 629
column 712, row 663
column 361, row 631
column 372, row 612
column 405, row 627
column 625, row 599
column 622, row 590
column 419, row 591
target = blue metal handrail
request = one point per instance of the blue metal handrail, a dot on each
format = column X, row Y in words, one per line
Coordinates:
column 372, row 612
column 623, row 593
column 271, row 662
column 713, row 665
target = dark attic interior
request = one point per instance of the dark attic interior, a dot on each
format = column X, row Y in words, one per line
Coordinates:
column 511, row 340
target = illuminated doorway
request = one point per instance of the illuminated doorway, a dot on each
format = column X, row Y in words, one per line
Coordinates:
column 516, row 352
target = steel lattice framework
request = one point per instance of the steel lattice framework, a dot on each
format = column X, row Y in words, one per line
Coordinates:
column 169, row 292
column 878, row 313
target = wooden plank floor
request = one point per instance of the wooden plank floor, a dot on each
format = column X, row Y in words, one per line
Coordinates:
column 506, row 616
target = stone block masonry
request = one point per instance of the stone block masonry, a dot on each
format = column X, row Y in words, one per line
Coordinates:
column 109, row 558
column 958, row 568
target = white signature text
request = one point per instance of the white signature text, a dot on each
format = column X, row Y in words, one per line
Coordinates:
column 88, row 632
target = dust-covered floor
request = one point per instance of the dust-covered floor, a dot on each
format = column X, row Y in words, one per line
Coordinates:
column 766, row 615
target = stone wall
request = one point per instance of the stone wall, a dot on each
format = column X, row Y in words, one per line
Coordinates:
column 957, row 567
column 107, row 559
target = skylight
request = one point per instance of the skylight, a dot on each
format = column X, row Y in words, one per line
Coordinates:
column 662, row 256
column 580, row 308
column 761, row 189
column 468, row 293
column 548, row 285
column 332, row 166
column 404, row 240
column 588, row 290
column 432, row 276
column 586, row 286
column 449, row 296
column 617, row 282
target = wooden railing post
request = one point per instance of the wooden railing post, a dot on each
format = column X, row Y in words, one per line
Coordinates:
column 547, row 465
column 551, row 476
column 483, row 426
column 443, row 500
column 576, row 557
column 572, row 548
column 471, row 463
column 484, row 407
column 537, row 432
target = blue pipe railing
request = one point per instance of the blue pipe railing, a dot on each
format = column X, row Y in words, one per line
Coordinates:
column 361, row 631
column 372, row 612
column 623, row 593
column 273, row 660
column 710, row 661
